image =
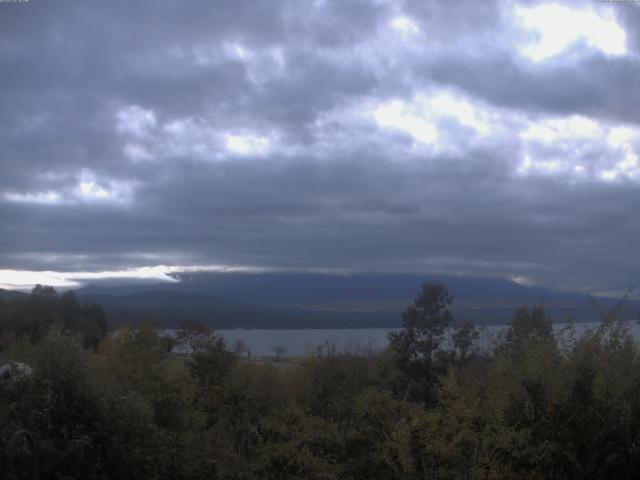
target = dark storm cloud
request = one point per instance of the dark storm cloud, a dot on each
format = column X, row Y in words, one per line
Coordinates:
column 312, row 135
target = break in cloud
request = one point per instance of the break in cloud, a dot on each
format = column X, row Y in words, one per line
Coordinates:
column 486, row 138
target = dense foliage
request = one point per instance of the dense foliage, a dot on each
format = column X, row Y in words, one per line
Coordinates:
column 434, row 405
column 32, row 316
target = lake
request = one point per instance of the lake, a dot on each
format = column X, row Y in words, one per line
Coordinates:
column 261, row 342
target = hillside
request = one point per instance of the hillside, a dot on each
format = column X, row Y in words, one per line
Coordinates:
column 316, row 301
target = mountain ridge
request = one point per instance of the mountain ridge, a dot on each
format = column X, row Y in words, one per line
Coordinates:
column 325, row 300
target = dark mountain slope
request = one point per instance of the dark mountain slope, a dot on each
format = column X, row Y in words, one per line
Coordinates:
column 314, row 300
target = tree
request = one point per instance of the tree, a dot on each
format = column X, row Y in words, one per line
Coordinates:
column 136, row 356
column 195, row 335
column 527, row 323
column 241, row 348
column 44, row 291
column 462, row 341
column 212, row 363
column 417, row 346
column 279, row 350
column 32, row 316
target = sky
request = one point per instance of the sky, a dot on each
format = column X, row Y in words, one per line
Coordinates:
column 478, row 138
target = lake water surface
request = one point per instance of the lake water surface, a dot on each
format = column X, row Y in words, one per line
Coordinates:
column 298, row 342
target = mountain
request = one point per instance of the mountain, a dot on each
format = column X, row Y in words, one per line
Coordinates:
column 228, row 300
column 10, row 294
column 169, row 308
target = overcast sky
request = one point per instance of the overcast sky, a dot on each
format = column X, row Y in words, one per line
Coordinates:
column 471, row 137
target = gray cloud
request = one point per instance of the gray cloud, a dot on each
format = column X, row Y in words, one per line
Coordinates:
column 366, row 136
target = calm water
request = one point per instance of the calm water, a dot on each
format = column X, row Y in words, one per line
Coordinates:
column 298, row 342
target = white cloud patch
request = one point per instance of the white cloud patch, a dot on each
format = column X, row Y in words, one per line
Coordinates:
column 428, row 118
column 136, row 120
column 580, row 148
column 45, row 198
column 21, row 279
column 405, row 25
column 522, row 280
column 621, row 136
column 398, row 115
column 558, row 129
column 558, row 27
column 26, row 279
column 247, row 144
column 87, row 189
column 193, row 138
column 445, row 104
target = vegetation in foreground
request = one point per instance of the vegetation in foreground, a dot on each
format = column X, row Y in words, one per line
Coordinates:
column 121, row 406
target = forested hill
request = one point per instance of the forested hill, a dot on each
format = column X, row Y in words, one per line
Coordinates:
column 10, row 294
column 228, row 300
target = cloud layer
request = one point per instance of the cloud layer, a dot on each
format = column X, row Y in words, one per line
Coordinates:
column 471, row 137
